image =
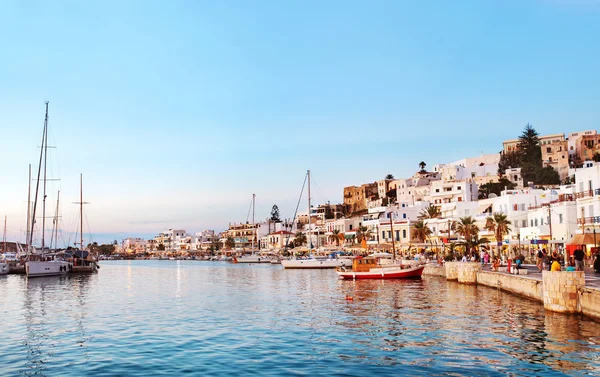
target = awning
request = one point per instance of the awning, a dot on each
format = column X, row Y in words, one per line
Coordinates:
column 483, row 208
column 583, row 239
column 349, row 236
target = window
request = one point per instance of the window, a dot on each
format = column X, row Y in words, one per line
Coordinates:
column 548, row 150
column 383, row 235
column 350, row 226
column 472, row 175
column 403, row 233
column 459, row 188
column 397, row 235
column 523, row 223
column 437, row 190
column 531, row 222
column 536, row 222
column 389, row 234
column 404, row 215
column 522, row 206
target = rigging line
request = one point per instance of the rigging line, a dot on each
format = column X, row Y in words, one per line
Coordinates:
column 319, row 188
column 296, row 212
column 249, row 209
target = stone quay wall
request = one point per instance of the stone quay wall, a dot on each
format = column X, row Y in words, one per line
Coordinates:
column 589, row 298
column 467, row 272
column 432, row 270
column 561, row 290
column 451, row 270
column 519, row 285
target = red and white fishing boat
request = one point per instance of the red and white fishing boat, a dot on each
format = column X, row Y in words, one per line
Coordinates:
column 373, row 267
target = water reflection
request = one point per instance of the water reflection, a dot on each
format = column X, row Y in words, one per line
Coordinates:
column 153, row 317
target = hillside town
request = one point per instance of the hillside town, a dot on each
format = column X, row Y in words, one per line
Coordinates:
column 539, row 190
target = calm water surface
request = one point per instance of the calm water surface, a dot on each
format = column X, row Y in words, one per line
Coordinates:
column 216, row 318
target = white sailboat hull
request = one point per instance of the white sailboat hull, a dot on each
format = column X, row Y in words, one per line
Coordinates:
column 316, row 263
column 4, row 268
column 51, row 268
column 253, row 259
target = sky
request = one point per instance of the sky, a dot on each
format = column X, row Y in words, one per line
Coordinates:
column 176, row 112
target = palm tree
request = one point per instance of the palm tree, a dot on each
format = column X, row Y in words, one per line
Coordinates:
column 363, row 233
column 336, row 236
column 299, row 238
column 468, row 230
column 499, row 225
column 230, row 243
column 421, row 231
column 389, row 176
column 430, row 212
column 422, row 165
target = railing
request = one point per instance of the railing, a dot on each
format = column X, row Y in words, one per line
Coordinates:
column 588, row 220
column 584, row 194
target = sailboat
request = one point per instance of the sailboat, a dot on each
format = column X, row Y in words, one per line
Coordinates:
column 84, row 260
column 4, row 267
column 311, row 261
column 45, row 266
column 254, row 257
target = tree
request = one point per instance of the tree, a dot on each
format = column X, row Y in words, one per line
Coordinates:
column 509, row 160
column 299, row 238
column 363, row 233
column 430, row 212
column 229, row 243
column 391, row 196
column 468, row 229
column 421, row 231
column 389, row 176
column 499, row 225
column 275, row 214
column 495, row 188
column 336, row 236
column 160, row 247
column 547, row 176
column 422, row 165
column 529, row 146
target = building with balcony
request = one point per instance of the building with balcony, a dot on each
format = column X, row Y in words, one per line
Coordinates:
column 514, row 175
column 587, row 184
column 574, row 139
column 556, row 155
column 587, row 147
column 513, row 144
column 453, row 191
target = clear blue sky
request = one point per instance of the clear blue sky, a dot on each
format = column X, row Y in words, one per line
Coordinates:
column 177, row 111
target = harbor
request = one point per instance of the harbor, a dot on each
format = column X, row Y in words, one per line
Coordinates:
column 217, row 318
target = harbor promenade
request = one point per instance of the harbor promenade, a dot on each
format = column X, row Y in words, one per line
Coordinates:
column 561, row 291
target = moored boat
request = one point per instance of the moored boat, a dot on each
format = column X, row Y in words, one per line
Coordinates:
column 47, row 268
column 375, row 268
column 315, row 263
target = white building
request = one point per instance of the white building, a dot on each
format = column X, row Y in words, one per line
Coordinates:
column 587, row 186
column 574, row 138
column 453, row 191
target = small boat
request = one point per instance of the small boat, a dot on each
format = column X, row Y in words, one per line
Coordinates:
column 373, row 267
column 4, row 268
column 275, row 261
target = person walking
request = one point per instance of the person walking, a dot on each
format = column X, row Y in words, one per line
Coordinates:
column 540, row 260
column 578, row 255
column 545, row 259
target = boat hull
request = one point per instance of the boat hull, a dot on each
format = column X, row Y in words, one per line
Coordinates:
column 384, row 273
column 315, row 263
column 51, row 268
column 251, row 259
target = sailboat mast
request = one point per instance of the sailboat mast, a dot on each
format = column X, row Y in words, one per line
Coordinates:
column 45, row 148
column 28, row 210
column 309, row 240
column 253, row 224
column 4, row 237
column 81, row 208
column 55, row 228
column 37, row 186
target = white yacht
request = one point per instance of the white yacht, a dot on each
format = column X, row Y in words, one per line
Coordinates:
column 252, row 258
column 49, row 268
column 316, row 263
